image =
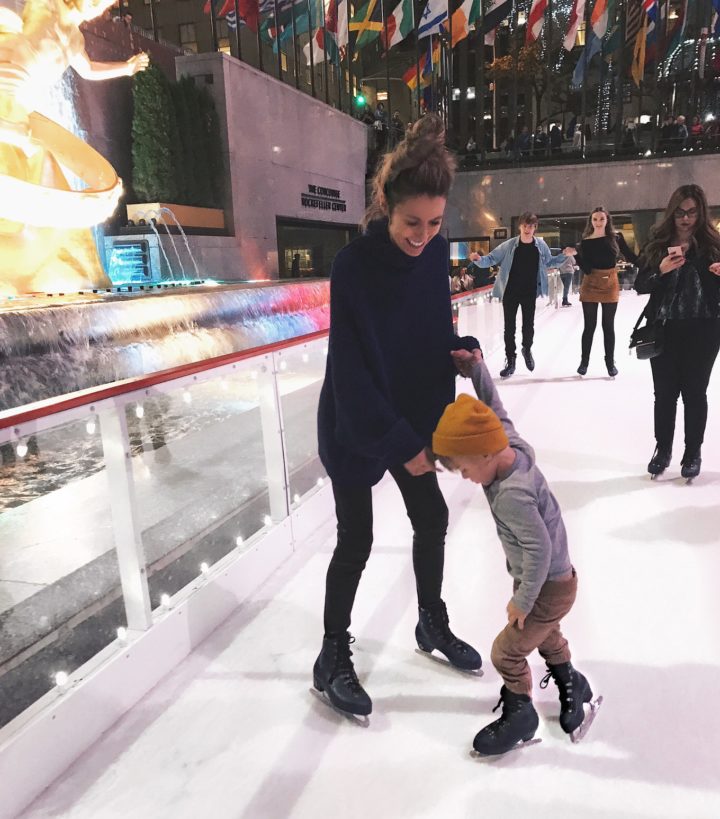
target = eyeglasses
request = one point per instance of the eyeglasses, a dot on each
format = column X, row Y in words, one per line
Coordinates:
column 690, row 213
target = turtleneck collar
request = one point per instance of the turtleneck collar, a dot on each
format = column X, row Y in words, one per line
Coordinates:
column 377, row 230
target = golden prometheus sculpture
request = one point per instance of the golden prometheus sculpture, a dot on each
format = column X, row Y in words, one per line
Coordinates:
column 45, row 241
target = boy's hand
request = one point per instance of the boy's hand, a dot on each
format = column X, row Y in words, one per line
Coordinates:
column 474, row 257
column 569, row 251
column 465, row 360
column 515, row 615
column 421, row 464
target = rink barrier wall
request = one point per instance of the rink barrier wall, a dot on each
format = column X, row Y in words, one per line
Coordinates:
column 44, row 740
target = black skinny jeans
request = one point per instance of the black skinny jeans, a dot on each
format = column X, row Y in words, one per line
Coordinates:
column 683, row 368
column 511, row 302
column 428, row 515
column 590, row 310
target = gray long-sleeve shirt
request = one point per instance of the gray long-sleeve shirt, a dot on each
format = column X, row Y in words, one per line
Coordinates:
column 527, row 515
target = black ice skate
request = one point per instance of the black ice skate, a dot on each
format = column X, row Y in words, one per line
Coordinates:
column 529, row 360
column 515, row 728
column 583, row 368
column 691, row 464
column 660, row 461
column 334, row 674
column 611, row 368
column 509, row 368
column 574, row 691
column 433, row 632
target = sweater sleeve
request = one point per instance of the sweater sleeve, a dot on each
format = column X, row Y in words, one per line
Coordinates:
column 487, row 392
column 366, row 422
column 582, row 258
column 625, row 251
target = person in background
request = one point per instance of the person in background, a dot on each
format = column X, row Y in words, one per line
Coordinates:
column 555, row 139
column 566, row 269
column 680, row 269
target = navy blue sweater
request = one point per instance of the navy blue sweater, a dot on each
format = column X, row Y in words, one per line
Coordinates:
column 389, row 372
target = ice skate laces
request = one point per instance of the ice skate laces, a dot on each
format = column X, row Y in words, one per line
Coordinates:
column 439, row 624
column 344, row 668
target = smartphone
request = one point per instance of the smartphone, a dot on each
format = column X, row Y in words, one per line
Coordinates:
column 675, row 251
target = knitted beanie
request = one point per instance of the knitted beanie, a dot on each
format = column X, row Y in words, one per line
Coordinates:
column 468, row 427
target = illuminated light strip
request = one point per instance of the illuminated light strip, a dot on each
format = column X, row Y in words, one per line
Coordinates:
column 42, row 206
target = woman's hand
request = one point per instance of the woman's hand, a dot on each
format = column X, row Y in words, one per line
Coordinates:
column 715, row 268
column 670, row 263
column 421, row 464
column 466, row 360
column 569, row 251
column 137, row 63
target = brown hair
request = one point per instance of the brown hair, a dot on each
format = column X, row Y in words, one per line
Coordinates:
column 705, row 237
column 528, row 218
column 609, row 228
column 419, row 166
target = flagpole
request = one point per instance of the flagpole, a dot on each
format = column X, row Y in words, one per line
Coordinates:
column 312, row 47
column 337, row 63
column 237, row 30
column 583, row 98
column 326, row 79
column 620, row 79
column 277, row 38
column 548, row 62
column 259, row 42
column 296, row 53
column 416, row 26
column 383, row 11
column 451, row 75
column 480, row 83
column 515, row 62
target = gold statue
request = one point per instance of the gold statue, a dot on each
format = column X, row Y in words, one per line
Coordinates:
column 43, row 246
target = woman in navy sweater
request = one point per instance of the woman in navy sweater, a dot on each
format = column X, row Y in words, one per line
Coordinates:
column 389, row 377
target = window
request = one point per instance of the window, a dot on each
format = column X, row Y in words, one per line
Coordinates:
column 223, row 36
column 283, row 61
column 188, row 37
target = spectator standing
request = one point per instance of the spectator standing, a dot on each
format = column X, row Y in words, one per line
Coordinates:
column 555, row 139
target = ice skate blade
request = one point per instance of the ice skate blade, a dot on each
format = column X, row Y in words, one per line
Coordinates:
column 354, row 719
column 443, row 660
column 580, row 732
column 519, row 746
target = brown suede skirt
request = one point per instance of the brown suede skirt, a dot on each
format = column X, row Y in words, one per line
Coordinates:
column 601, row 287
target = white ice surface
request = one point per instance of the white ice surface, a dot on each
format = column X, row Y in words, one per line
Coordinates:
column 234, row 733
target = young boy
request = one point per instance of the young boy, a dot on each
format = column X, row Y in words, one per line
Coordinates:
column 477, row 438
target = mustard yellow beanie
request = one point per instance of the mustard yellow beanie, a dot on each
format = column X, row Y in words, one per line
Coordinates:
column 468, row 427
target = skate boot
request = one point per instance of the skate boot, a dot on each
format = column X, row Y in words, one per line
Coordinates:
column 509, row 368
column 334, row 674
column 691, row 463
column 575, row 691
column 433, row 632
column 529, row 360
column 660, row 460
column 518, row 724
column 582, row 369
column 611, row 368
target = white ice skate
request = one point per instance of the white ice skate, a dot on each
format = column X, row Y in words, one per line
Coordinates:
column 584, row 727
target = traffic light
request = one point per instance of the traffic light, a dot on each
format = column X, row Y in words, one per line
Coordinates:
column 359, row 100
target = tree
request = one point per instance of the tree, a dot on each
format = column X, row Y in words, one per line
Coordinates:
column 531, row 70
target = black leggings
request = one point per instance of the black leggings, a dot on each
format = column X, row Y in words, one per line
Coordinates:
column 590, row 309
column 428, row 515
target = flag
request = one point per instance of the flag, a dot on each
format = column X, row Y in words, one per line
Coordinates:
column 715, row 26
column 367, row 24
column 536, row 20
column 576, row 17
column 677, row 33
column 498, row 11
column 650, row 7
column 325, row 40
column 430, row 58
column 399, row 24
column 463, row 17
column 249, row 12
column 633, row 21
column 592, row 47
column 435, row 14
column 638, row 64
column 599, row 18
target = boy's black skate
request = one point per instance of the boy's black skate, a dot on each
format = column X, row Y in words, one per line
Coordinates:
column 516, row 726
column 433, row 632
column 660, row 461
column 691, row 464
column 583, row 368
column 574, row 691
column 335, row 675
column 529, row 360
column 509, row 368
column 611, row 368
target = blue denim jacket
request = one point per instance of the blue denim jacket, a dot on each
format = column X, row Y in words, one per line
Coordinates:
column 503, row 256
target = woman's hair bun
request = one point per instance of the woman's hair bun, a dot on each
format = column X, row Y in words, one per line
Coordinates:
column 426, row 136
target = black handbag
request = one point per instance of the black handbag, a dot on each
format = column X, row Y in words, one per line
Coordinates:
column 647, row 341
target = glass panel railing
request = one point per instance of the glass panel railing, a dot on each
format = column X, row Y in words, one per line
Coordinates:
column 300, row 371
column 60, row 597
column 200, row 473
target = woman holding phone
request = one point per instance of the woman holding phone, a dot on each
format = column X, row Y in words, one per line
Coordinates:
column 680, row 269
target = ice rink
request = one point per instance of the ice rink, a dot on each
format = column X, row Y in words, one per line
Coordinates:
column 234, row 733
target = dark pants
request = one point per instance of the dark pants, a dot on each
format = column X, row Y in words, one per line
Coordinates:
column 683, row 368
column 590, row 310
column 526, row 303
column 566, row 279
column 428, row 515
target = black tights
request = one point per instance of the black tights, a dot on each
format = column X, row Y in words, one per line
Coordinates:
column 590, row 309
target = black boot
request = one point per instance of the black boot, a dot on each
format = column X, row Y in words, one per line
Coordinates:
column 574, row 691
column 509, row 367
column 433, row 632
column 518, row 723
column 582, row 369
column 529, row 360
column 334, row 674
column 691, row 463
column 660, row 460
column 611, row 368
